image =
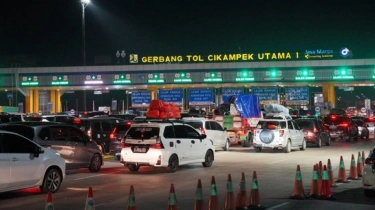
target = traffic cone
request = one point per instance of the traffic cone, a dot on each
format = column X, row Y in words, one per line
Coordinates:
column 199, row 204
column 314, row 193
column 213, row 201
column 49, row 202
column 254, row 194
column 90, row 203
column 364, row 158
column 172, row 201
column 229, row 196
column 332, row 182
column 298, row 191
column 342, row 173
column 326, row 193
column 131, row 200
column 242, row 202
column 353, row 174
column 359, row 165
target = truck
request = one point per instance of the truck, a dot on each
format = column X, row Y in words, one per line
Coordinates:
column 239, row 115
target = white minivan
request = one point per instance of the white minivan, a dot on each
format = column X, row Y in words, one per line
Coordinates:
column 25, row 164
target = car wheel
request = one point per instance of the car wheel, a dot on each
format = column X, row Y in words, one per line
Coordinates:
column 369, row 193
column 303, row 146
column 328, row 141
column 52, row 181
column 287, row 148
column 96, row 163
column 258, row 149
column 248, row 142
column 208, row 159
column 362, row 136
column 226, row 146
column 133, row 167
column 173, row 163
column 319, row 143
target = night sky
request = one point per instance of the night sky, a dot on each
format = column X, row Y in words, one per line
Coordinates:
column 49, row 32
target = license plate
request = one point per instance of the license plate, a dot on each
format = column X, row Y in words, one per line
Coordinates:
column 139, row 149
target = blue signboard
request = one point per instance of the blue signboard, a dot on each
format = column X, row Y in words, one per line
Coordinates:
column 141, row 98
column 201, row 96
column 297, row 95
column 266, row 95
column 174, row 96
column 228, row 92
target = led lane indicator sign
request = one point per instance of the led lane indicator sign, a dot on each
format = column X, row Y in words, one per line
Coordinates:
column 30, row 81
column 182, row 78
column 245, row 76
column 93, row 80
column 343, row 74
column 122, row 79
column 305, row 75
column 213, row 77
column 60, row 80
column 156, row 78
column 273, row 75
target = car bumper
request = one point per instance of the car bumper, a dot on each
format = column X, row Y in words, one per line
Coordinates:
column 368, row 178
column 153, row 157
column 274, row 144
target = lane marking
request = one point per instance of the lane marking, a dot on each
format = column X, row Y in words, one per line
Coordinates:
column 278, row 161
column 88, row 177
column 277, row 206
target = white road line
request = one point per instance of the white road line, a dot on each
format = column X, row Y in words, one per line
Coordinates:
column 88, row 177
column 277, row 206
column 278, row 161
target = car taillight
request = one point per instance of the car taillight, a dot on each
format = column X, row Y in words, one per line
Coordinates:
column 89, row 133
column 370, row 161
column 203, row 131
column 76, row 121
column 254, row 131
column 157, row 145
column 112, row 136
column 281, row 133
column 333, row 117
column 124, row 145
column 344, row 125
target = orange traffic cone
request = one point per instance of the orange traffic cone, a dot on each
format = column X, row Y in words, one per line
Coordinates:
column 49, row 202
column 172, row 201
column 326, row 192
column 342, row 173
column 242, row 195
column 332, row 182
column 254, row 194
column 359, row 165
column 298, row 191
column 314, row 193
column 229, row 196
column 199, row 204
column 213, row 201
column 90, row 203
column 353, row 174
column 131, row 200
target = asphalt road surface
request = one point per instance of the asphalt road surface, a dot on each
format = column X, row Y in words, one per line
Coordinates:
column 276, row 173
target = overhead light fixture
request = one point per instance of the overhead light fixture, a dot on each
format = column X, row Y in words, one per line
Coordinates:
column 96, row 82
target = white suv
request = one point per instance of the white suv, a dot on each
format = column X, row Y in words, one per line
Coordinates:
column 278, row 132
column 25, row 164
column 165, row 144
column 212, row 129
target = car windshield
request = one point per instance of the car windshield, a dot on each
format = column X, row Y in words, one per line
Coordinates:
column 271, row 125
column 142, row 133
column 25, row 131
column 336, row 120
column 358, row 122
column 309, row 124
column 195, row 124
column 122, row 127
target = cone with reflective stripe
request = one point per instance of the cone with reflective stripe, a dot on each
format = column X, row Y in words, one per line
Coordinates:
column 254, row 194
column 229, row 195
column 199, row 202
column 298, row 191
column 359, row 165
column 332, row 182
column 90, row 203
column 314, row 193
column 342, row 173
column 131, row 200
column 213, row 201
column 49, row 202
column 353, row 174
column 242, row 202
column 172, row 201
column 325, row 192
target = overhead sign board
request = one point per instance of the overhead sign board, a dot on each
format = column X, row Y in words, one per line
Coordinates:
column 296, row 95
column 141, row 98
column 228, row 92
column 174, row 96
column 267, row 95
column 201, row 96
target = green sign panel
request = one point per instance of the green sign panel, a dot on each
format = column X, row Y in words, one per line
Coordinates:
column 29, row 83
column 213, row 79
column 182, row 80
column 305, row 78
column 123, row 81
column 60, row 83
column 244, row 79
column 156, row 81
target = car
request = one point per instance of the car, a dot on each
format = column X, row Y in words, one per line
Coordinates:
column 70, row 142
column 212, row 129
column 338, row 126
column 165, row 144
column 370, row 123
column 278, row 131
column 5, row 118
column 363, row 131
column 19, row 115
column 59, row 118
column 368, row 175
column 24, row 164
column 314, row 131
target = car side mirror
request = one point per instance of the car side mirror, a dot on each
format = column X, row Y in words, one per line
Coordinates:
column 37, row 151
column 204, row 136
column 225, row 128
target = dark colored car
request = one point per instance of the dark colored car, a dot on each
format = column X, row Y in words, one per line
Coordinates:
column 363, row 130
column 70, row 142
column 59, row 118
column 123, row 116
column 119, row 132
column 338, row 126
column 5, row 118
column 314, row 130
